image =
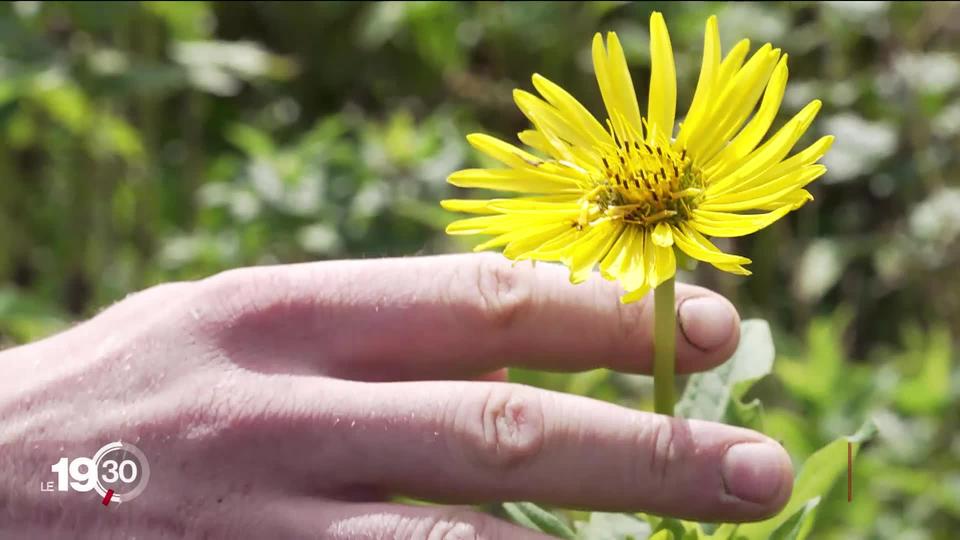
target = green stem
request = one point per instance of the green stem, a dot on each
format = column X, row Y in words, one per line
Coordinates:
column 664, row 347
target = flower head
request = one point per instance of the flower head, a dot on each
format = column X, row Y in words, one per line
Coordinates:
column 626, row 193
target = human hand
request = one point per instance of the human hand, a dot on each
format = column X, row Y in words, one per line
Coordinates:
column 291, row 401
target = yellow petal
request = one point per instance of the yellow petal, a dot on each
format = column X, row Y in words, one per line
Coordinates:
column 662, row 101
column 549, row 120
column 753, row 133
column 703, row 132
column 635, row 273
column 531, row 205
column 626, row 94
column 765, row 194
column 697, row 246
column 529, row 233
column 592, row 248
column 612, row 266
column 558, row 248
column 661, row 263
column 625, row 260
column 613, row 78
column 706, row 84
column 737, row 101
column 662, row 235
column 769, row 154
column 527, row 240
column 469, row 206
column 634, row 295
column 734, row 269
column 732, row 62
column 572, row 109
column 513, row 180
column 599, row 53
column 536, row 140
column 560, row 151
column 500, row 224
column 799, row 160
column 493, row 206
column 794, row 200
column 726, row 225
column 504, row 152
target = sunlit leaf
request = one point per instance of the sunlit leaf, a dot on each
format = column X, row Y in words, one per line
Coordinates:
column 604, row 526
column 798, row 527
column 707, row 395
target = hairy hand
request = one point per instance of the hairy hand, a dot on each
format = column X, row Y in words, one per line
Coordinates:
column 293, row 401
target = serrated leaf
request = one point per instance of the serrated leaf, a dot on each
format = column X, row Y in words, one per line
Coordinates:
column 533, row 517
column 707, row 395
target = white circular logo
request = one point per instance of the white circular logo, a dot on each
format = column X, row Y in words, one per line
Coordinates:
column 122, row 472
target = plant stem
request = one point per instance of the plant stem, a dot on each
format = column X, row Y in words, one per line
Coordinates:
column 664, row 347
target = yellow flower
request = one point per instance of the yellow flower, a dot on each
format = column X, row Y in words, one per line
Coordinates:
column 624, row 195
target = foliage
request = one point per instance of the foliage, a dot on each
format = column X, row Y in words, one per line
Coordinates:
column 143, row 142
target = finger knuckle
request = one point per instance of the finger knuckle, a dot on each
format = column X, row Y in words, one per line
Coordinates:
column 667, row 451
column 143, row 308
column 236, row 297
column 502, row 428
column 502, row 291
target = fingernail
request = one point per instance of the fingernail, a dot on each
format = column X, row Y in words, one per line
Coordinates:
column 706, row 322
column 754, row 472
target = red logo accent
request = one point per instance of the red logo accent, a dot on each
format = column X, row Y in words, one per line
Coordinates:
column 849, row 471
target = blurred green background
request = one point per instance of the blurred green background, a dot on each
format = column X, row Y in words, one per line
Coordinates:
column 143, row 142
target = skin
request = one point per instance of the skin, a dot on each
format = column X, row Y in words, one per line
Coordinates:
column 293, row 401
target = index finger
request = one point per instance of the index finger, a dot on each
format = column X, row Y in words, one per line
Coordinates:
column 460, row 315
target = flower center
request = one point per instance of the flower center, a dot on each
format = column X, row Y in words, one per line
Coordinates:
column 645, row 183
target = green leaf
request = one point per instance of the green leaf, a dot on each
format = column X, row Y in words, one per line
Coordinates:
column 748, row 415
column 798, row 527
column 252, row 141
column 817, row 378
column 605, row 526
column 818, row 475
column 793, row 431
column 675, row 526
column 678, row 528
column 707, row 395
column 518, row 515
column 186, row 20
column 533, row 517
column 929, row 390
